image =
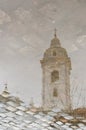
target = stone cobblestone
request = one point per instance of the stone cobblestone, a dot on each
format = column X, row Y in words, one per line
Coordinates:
column 14, row 115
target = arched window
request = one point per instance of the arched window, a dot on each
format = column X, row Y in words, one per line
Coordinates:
column 54, row 53
column 55, row 93
column 54, row 76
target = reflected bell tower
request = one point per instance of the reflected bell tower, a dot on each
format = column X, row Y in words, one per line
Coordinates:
column 56, row 66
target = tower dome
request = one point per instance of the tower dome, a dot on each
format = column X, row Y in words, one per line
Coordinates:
column 55, row 49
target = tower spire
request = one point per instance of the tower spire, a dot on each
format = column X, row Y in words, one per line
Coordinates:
column 55, row 41
column 5, row 93
column 6, row 89
column 55, row 33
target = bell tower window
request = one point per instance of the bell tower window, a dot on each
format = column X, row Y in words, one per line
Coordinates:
column 54, row 76
column 55, row 93
column 54, row 53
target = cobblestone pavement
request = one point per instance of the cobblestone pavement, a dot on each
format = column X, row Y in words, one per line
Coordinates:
column 15, row 115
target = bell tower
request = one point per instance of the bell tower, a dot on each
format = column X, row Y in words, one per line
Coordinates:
column 56, row 66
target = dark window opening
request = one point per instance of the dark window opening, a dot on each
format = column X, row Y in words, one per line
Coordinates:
column 54, row 53
column 55, row 94
column 54, row 76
